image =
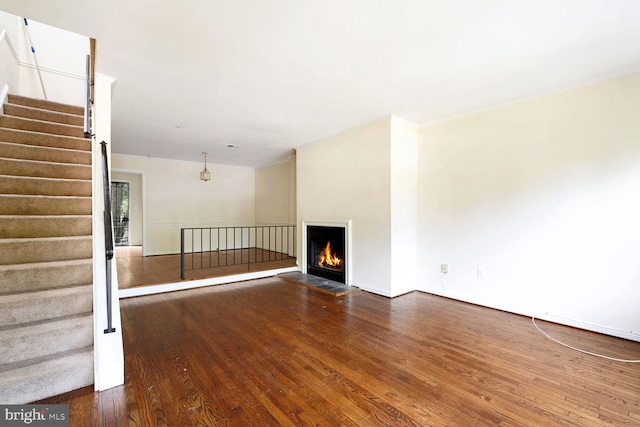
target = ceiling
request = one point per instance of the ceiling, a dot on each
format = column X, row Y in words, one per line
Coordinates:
column 268, row 76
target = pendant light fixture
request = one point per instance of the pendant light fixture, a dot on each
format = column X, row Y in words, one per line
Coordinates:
column 205, row 175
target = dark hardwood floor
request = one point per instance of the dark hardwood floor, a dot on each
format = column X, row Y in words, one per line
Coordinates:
column 136, row 270
column 269, row 352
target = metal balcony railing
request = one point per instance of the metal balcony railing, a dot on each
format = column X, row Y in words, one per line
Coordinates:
column 215, row 247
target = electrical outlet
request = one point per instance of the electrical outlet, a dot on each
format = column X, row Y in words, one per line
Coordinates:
column 444, row 268
column 482, row 273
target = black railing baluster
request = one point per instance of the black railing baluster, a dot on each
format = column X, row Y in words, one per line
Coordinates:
column 226, row 246
column 182, row 253
column 241, row 245
column 249, row 248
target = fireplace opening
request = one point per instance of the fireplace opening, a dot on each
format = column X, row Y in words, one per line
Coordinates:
column 326, row 252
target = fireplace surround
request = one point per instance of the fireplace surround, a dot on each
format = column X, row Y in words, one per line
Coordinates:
column 326, row 249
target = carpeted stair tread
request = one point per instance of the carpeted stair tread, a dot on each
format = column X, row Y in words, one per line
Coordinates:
column 44, row 139
column 19, row 167
column 12, row 150
column 43, row 114
column 76, row 303
column 27, row 185
column 48, row 376
column 17, row 226
column 17, row 204
column 16, row 344
column 45, row 105
column 32, row 125
column 46, row 263
column 44, row 249
column 44, row 275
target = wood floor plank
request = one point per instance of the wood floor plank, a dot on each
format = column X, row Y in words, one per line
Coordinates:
column 135, row 270
column 269, row 353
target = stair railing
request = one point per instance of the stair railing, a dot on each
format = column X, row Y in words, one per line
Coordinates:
column 5, row 37
column 216, row 247
column 87, row 100
column 35, row 58
column 108, row 235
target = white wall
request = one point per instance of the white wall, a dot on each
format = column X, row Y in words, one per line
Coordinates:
column 273, row 194
column 61, row 57
column 404, row 205
column 9, row 66
column 348, row 176
column 174, row 197
column 367, row 175
column 293, row 190
column 543, row 196
column 275, row 205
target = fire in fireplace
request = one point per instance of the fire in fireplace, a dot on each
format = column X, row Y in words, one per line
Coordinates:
column 329, row 259
column 326, row 252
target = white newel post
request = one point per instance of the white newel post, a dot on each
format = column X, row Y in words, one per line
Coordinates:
column 108, row 350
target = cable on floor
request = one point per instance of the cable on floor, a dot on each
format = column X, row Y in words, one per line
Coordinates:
column 615, row 359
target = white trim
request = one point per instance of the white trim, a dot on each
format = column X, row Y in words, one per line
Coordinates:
column 128, row 204
column 377, row 291
column 192, row 284
column 52, row 70
column 629, row 335
column 4, row 36
column 3, row 97
column 141, row 173
column 347, row 225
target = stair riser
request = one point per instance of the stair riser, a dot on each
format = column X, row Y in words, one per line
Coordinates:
column 39, row 139
column 44, row 205
column 39, row 126
column 44, row 277
column 44, row 187
column 44, row 154
column 45, row 105
column 43, row 169
column 49, row 378
column 43, row 115
column 44, row 226
column 37, row 308
column 28, row 251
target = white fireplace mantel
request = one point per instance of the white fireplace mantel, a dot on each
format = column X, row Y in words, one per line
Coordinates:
column 346, row 224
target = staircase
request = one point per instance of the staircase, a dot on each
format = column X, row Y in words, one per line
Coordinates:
column 46, row 271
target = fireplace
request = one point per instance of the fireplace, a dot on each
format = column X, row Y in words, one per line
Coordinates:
column 326, row 250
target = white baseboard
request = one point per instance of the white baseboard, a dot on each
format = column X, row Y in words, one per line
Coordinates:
column 192, row 284
column 629, row 335
column 377, row 291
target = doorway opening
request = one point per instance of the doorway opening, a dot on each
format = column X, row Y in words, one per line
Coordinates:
column 120, row 212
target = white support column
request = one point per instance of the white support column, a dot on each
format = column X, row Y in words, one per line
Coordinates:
column 108, row 350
